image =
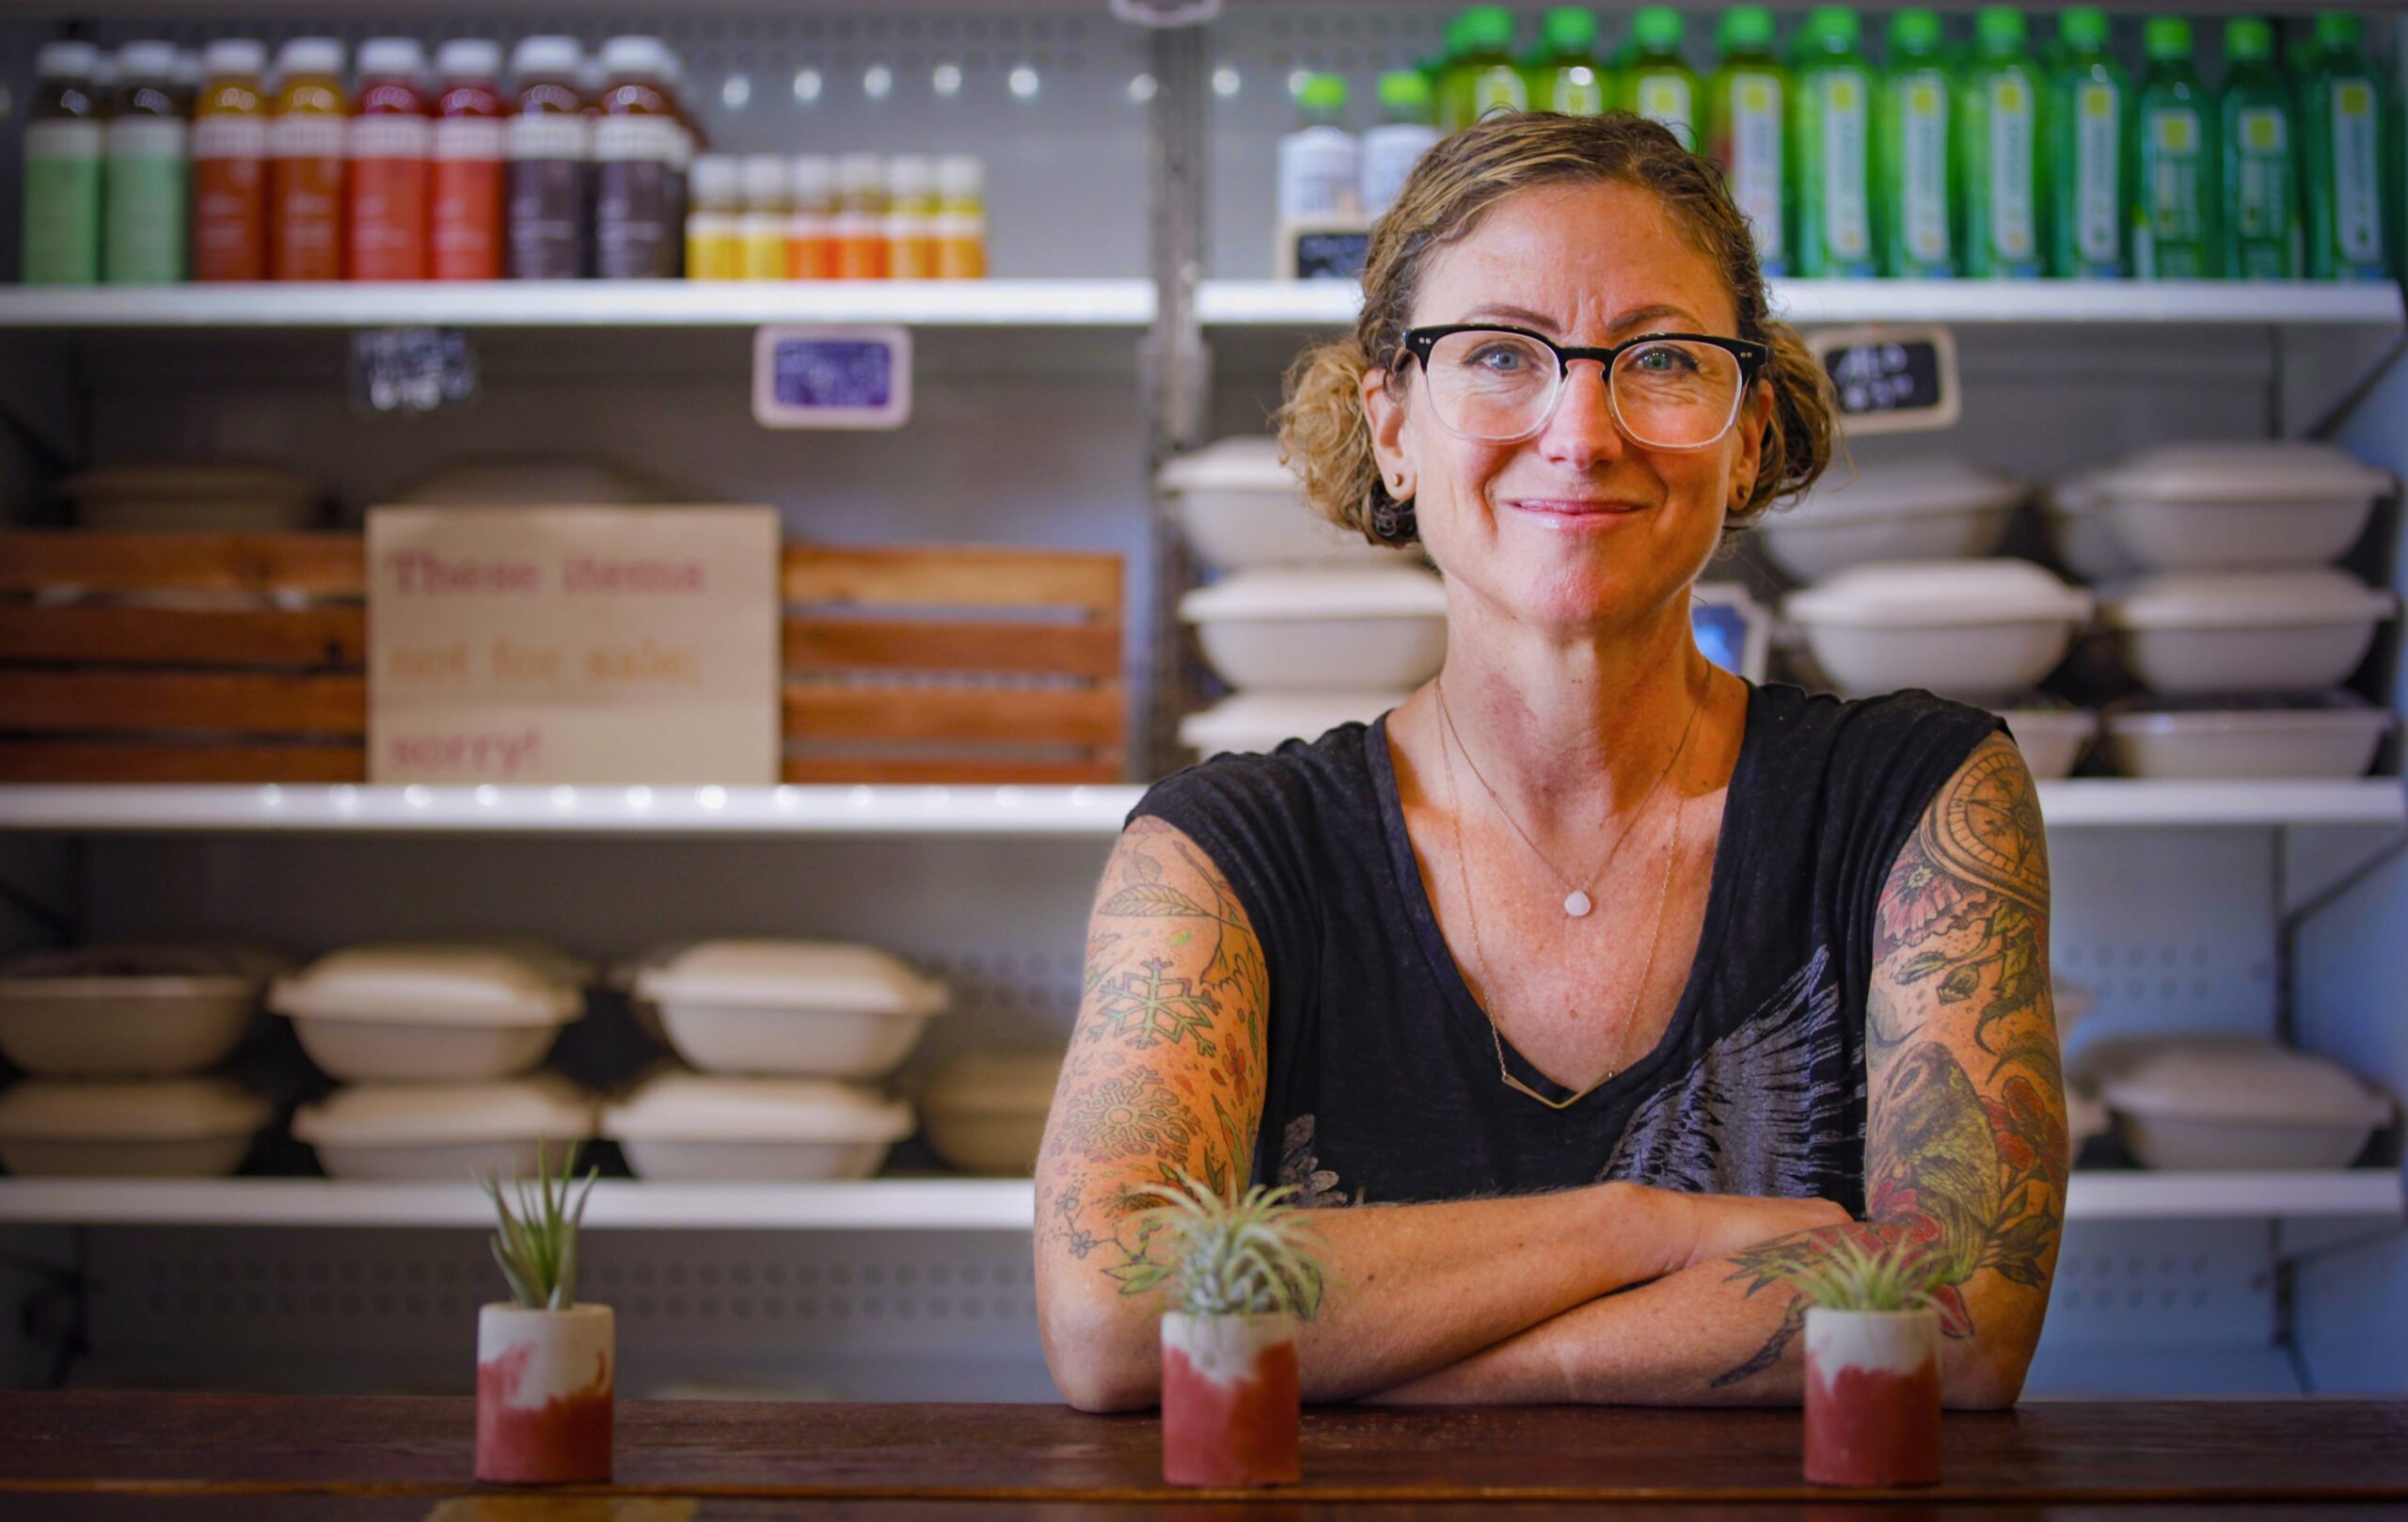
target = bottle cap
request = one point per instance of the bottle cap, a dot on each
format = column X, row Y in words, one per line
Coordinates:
column 1322, row 92
column 2166, row 38
column 2248, row 39
column 912, row 177
column 1744, row 28
column 1486, row 29
column 1999, row 29
column 234, row 57
column 1405, row 89
column 66, row 60
column 861, row 174
column 1657, row 28
column 1914, row 33
column 555, row 57
column 765, row 178
column 1833, row 28
column 813, row 176
column 1569, row 29
column 468, row 57
column 716, row 176
column 961, row 176
column 2338, row 29
column 391, row 57
column 309, row 56
column 2083, row 27
column 635, row 58
column 146, row 61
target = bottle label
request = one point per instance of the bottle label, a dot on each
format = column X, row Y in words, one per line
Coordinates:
column 1499, row 85
column 546, row 218
column 147, row 137
column 1389, row 155
column 626, row 139
column 307, row 137
column 1580, row 92
column 539, row 139
column 1847, row 231
column 460, row 138
column 1665, row 97
column 62, row 205
column 55, row 142
column 229, row 138
column 1922, row 171
column 2012, row 234
column 2173, row 189
column 2262, row 156
column 390, row 138
column 1755, row 158
column 2098, row 147
column 2356, row 203
column 142, row 234
column 632, row 231
column 1318, row 169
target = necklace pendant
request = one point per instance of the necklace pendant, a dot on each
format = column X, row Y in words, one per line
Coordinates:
column 1576, row 904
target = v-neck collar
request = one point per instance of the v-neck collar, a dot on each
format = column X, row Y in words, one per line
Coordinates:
column 1729, row 846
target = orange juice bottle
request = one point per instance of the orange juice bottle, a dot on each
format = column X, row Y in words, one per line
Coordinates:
column 392, row 139
column 810, row 228
column 912, row 218
column 961, row 218
column 860, row 217
column 230, row 164
column 306, row 152
column 464, row 181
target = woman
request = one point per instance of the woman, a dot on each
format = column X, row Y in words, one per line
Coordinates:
column 1598, row 983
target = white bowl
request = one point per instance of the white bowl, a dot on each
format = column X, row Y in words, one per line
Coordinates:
column 166, row 1128
column 203, row 1157
column 2295, row 631
column 1294, row 630
column 2258, row 741
column 2216, row 1146
column 1972, row 629
column 445, row 1131
column 1939, row 508
column 734, row 1040
column 2073, row 519
column 2051, row 739
column 128, row 1011
column 2240, row 504
column 1240, row 508
column 2222, row 1102
column 984, row 1112
column 683, row 1125
column 809, row 1008
column 358, row 1051
column 755, row 1161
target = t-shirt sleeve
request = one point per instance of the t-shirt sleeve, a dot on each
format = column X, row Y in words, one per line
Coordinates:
column 1893, row 758
column 1250, row 813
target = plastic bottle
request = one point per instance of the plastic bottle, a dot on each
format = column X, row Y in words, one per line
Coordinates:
column 1657, row 85
column 637, row 145
column 2260, row 175
column 464, row 221
column 912, row 218
column 1565, row 73
column 230, row 164
column 1997, row 152
column 1914, row 178
column 810, row 227
column 2174, row 212
column 2346, row 170
column 392, row 139
column 961, row 218
column 759, row 206
column 691, row 140
column 1404, row 134
column 715, row 226
column 2089, row 159
column 860, row 217
column 548, row 140
column 1830, row 145
column 1482, row 78
column 63, row 145
column 308, row 148
column 146, row 173
column 1747, row 127
column 1320, row 167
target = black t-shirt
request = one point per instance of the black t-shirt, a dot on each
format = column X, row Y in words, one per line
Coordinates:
column 1381, row 1082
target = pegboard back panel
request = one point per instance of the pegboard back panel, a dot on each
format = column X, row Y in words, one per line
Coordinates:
column 2174, row 929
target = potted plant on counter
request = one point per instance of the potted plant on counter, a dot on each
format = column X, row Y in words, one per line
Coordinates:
column 1872, row 1361
column 545, row 1363
column 1245, row 1275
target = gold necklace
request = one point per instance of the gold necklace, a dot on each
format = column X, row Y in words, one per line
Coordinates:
column 1577, row 902
column 1480, row 954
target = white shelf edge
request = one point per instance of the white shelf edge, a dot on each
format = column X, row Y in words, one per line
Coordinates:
column 1096, row 303
column 982, row 1204
column 1006, row 810
column 1315, row 304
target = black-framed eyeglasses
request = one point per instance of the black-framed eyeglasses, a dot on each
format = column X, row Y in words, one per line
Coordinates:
column 1668, row 390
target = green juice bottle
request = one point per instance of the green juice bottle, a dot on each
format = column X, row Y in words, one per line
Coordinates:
column 1482, row 78
column 1998, row 150
column 2089, row 159
column 2341, row 112
column 2261, row 225
column 1746, row 125
column 64, row 137
column 147, row 169
column 1831, row 147
column 2173, row 208
column 1657, row 85
column 1911, row 170
column 1566, row 75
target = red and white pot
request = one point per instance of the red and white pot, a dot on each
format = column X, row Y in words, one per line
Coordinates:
column 1872, row 1397
column 1231, row 1412
column 544, row 1389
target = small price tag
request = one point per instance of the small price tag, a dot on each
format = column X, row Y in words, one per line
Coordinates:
column 1891, row 379
column 411, row 369
column 1321, row 250
column 831, row 377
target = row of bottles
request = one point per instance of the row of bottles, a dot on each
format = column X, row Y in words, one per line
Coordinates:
column 766, row 216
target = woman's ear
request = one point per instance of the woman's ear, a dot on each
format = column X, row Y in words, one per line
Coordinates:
column 1384, row 409
column 1747, row 466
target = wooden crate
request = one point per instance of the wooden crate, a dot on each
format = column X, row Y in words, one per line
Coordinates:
column 241, row 659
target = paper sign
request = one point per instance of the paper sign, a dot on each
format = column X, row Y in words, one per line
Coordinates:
column 1321, row 250
column 831, row 377
column 1891, row 379
column 573, row 645
column 411, row 369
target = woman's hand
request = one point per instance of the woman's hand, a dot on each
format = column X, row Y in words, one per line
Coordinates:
column 1722, row 1224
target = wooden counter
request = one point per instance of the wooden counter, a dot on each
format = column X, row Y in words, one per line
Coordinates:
column 80, row 1457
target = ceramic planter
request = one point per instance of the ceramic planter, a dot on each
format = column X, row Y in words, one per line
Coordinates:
column 1872, row 1397
column 1231, row 1414
column 544, row 1381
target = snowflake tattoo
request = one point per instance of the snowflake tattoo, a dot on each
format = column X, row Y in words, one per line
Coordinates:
column 1150, row 1009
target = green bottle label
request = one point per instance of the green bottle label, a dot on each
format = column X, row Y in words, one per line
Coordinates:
column 1755, row 157
column 62, row 234
column 1580, row 92
column 2356, row 203
column 1922, row 171
column 2097, row 169
column 1499, row 85
column 1665, row 97
column 2173, row 189
column 144, row 213
column 2013, row 232
column 1847, row 232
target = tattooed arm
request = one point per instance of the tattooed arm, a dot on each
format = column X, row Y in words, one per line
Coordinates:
column 1965, row 1148
column 1164, row 1075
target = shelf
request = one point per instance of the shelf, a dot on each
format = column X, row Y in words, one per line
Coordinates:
column 586, row 304
column 1062, row 811
column 2308, row 302
column 977, row 1204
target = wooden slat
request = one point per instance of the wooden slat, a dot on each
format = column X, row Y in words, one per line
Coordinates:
column 919, row 771
column 45, row 761
column 121, row 702
column 186, row 635
column 1087, row 716
column 941, row 575
column 327, row 564
column 940, row 646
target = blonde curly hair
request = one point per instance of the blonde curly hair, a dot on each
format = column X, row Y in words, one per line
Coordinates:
column 1324, row 434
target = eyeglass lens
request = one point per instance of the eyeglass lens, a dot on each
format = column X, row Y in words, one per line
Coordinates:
column 1669, row 393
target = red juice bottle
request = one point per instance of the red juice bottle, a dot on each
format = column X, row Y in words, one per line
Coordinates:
column 391, row 136
column 464, row 236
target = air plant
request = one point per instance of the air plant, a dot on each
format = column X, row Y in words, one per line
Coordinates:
column 1859, row 1271
column 1251, row 1257
column 536, row 1243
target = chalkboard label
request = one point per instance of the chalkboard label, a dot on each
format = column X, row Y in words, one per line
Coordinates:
column 411, row 369
column 1891, row 379
column 1322, row 250
column 831, row 377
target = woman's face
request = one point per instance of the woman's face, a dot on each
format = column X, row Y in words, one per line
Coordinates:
column 1576, row 527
